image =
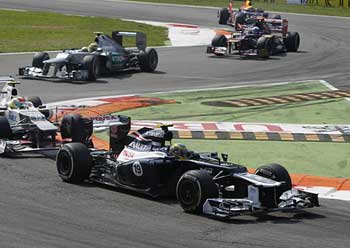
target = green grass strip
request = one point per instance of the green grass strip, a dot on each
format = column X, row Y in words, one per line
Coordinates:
column 323, row 159
column 23, row 31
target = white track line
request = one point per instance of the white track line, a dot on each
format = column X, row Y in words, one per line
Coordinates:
column 181, row 91
column 328, row 85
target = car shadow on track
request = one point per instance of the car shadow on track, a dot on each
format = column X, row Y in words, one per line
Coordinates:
column 238, row 57
column 279, row 217
column 128, row 74
column 167, row 200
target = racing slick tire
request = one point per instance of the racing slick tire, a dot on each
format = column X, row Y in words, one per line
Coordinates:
column 74, row 162
column 277, row 16
column 89, row 64
column 194, row 188
column 76, row 127
column 276, row 172
column 35, row 100
column 239, row 21
column 219, row 41
column 5, row 128
column 223, row 16
column 292, row 41
column 148, row 60
column 39, row 58
column 47, row 113
column 264, row 47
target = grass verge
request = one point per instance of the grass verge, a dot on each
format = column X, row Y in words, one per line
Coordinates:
column 322, row 159
column 23, row 31
column 278, row 6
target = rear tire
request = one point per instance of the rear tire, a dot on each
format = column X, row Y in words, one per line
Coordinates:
column 5, row 128
column 239, row 20
column 292, row 41
column 148, row 60
column 224, row 15
column 39, row 58
column 74, row 163
column 89, row 64
column 35, row 100
column 277, row 173
column 194, row 188
column 277, row 16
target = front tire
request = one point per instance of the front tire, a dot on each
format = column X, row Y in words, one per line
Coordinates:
column 76, row 127
column 194, row 188
column 264, row 47
column 219, row 41
column 74, row 162
column 89, row 64
column 5, row 128
column 277, row 173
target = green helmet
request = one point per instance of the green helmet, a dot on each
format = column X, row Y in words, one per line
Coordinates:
column 178, row 150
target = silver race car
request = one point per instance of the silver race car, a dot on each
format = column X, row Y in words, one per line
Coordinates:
column 105, row 55
column 25, row 124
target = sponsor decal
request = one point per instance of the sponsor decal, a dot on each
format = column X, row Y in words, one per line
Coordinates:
column 247, row 127
column 128, row 154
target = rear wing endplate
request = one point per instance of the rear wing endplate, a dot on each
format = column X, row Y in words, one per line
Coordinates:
column 278, row 25
column 141, row 40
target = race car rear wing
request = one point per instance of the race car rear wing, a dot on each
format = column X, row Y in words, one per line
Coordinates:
column 141, row 40
column 9, row 80
column 278, row 25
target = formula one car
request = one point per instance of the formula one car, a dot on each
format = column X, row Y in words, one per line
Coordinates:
column 260, row 37
column 105, row 55
column 239, row 18
column 202, row 182
column 25, row 124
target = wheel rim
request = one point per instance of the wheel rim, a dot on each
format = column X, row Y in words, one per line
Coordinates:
column 188, row 193
column 64, row 164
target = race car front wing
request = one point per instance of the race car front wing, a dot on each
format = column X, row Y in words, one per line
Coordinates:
column 34, row 72
column 290, row 200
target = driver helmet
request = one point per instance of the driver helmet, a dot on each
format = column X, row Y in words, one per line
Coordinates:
column 255, row 30
column 17, row 103
column 178, row 150
column 92, row 47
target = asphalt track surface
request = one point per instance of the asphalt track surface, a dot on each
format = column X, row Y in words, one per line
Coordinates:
column 38, row 210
